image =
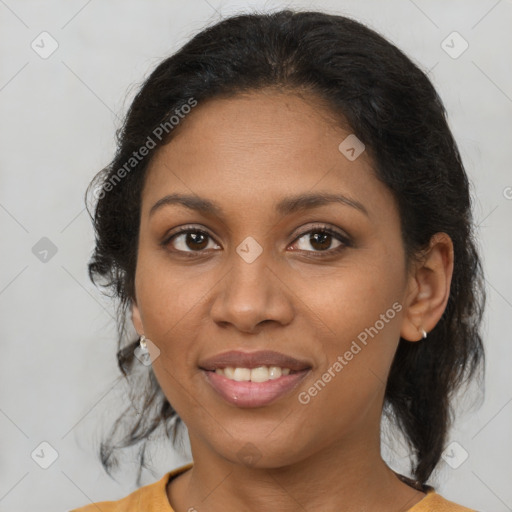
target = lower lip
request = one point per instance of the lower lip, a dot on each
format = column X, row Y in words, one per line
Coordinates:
column 253, row 394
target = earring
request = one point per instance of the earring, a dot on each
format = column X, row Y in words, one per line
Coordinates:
column 142, row 351
column 423, row 333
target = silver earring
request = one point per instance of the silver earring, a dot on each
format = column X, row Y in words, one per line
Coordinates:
column 142, row 351
column 423, row 333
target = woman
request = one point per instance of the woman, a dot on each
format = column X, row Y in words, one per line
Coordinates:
column 287, row 221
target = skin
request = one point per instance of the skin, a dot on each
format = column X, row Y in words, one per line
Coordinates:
column 324, row 455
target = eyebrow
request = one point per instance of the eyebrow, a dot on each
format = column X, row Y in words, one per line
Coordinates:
column 286, row 206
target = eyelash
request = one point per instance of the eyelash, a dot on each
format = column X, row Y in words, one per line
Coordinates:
column 320, row 228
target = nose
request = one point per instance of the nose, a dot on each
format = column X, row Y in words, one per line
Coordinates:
column 250, row 295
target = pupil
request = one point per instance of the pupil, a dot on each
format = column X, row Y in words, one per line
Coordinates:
column 199, row 239
column 321, row 238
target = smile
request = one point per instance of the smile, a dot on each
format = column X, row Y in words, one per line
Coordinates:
column 247, row 392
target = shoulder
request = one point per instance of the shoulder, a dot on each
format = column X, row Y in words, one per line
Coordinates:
column 150, row 498
column 434, row 502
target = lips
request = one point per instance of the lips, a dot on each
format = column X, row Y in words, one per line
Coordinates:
column 253, row 394
column 249, row 393
column 239, row 359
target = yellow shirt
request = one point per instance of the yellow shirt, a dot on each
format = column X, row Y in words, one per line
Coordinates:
column 153, row 498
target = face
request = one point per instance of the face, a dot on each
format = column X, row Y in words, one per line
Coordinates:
column 260, row 267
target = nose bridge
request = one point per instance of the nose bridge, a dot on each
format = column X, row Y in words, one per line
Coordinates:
column 247, row 286
column 250, row 294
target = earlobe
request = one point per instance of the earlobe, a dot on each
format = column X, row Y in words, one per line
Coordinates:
column 429, row 289
column 136, row 318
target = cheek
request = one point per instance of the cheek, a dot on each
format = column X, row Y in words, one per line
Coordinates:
column 361, row 317
column 170, row 301
column 347, row 301
column 168, row 296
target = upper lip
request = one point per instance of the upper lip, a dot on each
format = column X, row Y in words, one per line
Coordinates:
column 239, row 359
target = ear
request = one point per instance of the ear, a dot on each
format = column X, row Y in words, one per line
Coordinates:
column 428, row 288
column 136, row 317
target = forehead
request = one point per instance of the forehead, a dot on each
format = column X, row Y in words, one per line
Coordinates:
column 262, row 145
column 267, row 117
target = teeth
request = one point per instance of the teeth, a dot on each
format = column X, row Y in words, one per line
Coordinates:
column 242, row 374
column 259, row 374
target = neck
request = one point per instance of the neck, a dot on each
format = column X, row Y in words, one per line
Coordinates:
column 348, row 476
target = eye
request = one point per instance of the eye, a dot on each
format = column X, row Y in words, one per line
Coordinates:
column 189, row 240
column 321, row 239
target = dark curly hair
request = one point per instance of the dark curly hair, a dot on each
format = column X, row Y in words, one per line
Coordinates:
column 393, row 108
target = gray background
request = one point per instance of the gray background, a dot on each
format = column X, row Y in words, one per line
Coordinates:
column 58, row 117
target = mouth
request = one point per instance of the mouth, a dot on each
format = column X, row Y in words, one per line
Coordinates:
column 258, row 374
column 253, row 379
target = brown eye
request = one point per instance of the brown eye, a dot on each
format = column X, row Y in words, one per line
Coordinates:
column 196, row 241
column 191, row 240
column 321, row 239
